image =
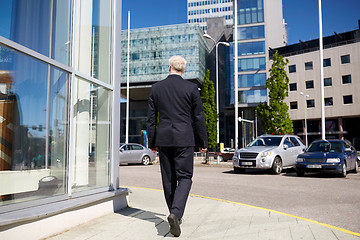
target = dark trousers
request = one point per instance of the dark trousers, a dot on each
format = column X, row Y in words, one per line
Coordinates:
column 177, row 166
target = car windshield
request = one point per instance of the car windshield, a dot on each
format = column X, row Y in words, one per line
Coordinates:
column 266, row 141
column 325, row 147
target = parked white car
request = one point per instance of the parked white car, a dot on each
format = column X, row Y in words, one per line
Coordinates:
column 273, row 152
column 136, row 153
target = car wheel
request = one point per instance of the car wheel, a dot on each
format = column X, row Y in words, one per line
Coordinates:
column 277, row 166
column 356, row 170
column 220, row 158
column 343, row 171
column 145, row 160
column 300, row 173
column 239, row 170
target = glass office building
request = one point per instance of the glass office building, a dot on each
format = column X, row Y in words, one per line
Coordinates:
column 58, row 100
column 259, row 26
column 150, row 50
column 251, row 51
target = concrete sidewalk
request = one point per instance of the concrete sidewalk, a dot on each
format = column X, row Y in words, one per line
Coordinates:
column 204, row 218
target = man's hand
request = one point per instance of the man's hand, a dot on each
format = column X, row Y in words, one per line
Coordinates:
column 202, row 150
column 154, row 150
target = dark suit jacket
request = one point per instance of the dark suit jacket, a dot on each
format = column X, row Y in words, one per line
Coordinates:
column 178, row 105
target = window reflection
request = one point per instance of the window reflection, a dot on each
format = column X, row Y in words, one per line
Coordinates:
column 251, row 48
column 250, row 11
column 249, row 64
column 93, row 41
column 29, row 171
column 252, row 96
column 92, row 136
column 31, row 22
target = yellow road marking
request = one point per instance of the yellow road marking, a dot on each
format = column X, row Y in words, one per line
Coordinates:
column 274, row 211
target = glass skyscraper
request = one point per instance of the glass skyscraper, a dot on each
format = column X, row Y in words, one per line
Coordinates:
column 260, row 26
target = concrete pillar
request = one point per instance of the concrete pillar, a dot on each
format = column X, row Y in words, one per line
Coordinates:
column 303, row 127
column 341, row 129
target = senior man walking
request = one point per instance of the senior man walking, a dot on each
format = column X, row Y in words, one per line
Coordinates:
column 177, row 106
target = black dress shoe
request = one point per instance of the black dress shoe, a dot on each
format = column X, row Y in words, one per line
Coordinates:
column 174, row 225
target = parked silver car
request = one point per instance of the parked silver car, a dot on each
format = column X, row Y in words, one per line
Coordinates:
column 273, row 152
column 136, row 153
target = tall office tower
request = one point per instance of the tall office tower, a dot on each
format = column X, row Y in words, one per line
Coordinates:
column 260, row 27
column 199, row 11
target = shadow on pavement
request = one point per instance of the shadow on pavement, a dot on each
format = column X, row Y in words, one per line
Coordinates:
column 161, row 225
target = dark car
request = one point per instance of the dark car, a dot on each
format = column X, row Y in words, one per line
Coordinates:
column 335, row 156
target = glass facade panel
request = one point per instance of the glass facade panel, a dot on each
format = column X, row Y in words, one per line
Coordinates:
column 151, row 48
column 24, row 92
column 251, row 48
column 252, row 80
column 61, row 31
column 252, row 96
column 251, row 32
column 92, row 136
column 30, row 23
column 252, row 64
column 229, row 69
column 250, row 11
column 58, row 123
column 93, row 39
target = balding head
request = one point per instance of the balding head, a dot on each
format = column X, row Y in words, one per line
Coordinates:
column 177, row 65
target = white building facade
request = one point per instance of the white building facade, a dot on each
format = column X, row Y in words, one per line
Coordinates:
column 198, row 11
column 341, row 86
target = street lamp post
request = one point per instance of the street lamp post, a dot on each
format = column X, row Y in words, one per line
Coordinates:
column 321, row 50
column 306, row 138
column 217, row 81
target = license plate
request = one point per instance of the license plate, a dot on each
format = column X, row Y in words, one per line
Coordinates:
column 314, row 166
column 247, row 163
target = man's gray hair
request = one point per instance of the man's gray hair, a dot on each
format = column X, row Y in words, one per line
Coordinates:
column 177, row 63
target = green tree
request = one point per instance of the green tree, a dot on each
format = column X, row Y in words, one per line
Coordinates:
column 274, row 116
column 207, row 97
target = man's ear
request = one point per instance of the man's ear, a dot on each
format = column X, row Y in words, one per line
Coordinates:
column 169, row 69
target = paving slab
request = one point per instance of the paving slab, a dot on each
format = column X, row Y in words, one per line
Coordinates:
column 204, row 218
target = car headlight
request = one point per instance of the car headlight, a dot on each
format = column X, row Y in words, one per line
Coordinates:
column 265, row 154
column 299, row 160
column 236, row 154
column 333, row 160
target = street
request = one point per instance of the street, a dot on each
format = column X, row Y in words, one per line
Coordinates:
column 323, row 198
